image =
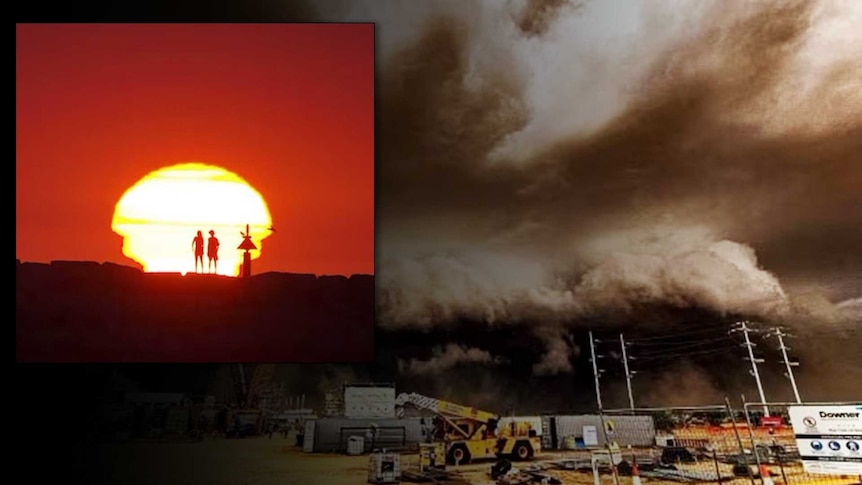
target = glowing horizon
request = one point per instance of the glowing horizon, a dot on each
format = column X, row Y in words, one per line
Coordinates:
column 160, row 214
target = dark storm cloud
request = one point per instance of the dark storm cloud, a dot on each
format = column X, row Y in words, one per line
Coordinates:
column 435, row 129
column 675, row 158
column 554, row 167
column 446, row 358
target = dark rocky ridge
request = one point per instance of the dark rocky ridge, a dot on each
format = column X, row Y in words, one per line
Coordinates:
column 82, row 311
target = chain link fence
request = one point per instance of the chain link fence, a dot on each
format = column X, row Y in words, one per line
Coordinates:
column 707, row 444
column 701, row 444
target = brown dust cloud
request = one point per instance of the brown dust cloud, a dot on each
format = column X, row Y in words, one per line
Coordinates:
column 651, row 168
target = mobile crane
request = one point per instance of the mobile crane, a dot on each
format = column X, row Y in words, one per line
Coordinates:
column 471, row 434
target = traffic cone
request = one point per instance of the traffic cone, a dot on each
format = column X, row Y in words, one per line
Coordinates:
column 764, row 475
column 636, row 478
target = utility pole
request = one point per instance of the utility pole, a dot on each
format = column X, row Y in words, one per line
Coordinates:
column 596, row 373
column 628, row 374
column 787, row 362
column 595, row 370
column 743, row 327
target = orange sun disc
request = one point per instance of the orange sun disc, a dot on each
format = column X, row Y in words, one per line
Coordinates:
column 160, row 215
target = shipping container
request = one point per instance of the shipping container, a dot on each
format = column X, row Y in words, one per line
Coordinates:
column 566, row 432
column 331, row 435
column 534, row 423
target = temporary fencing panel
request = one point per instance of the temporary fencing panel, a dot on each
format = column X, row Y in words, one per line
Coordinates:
column 675, row 445
column 717, row 444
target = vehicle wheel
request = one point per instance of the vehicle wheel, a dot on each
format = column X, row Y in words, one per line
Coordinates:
column 523, row 451
column 459, row 455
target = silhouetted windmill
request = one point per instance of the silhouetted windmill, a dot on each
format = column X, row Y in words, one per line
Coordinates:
column 246, row 245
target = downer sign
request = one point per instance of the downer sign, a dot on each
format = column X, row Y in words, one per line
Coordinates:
column 829, row 438
column 838, row 415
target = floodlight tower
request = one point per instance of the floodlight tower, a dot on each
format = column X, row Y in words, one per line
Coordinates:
column 246, row 245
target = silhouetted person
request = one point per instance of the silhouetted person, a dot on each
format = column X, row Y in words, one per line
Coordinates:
column 198, row 246
column 212, row 252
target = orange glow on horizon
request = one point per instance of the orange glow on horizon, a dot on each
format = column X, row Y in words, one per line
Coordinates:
column 159, row 216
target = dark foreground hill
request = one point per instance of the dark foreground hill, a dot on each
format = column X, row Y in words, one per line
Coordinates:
column 78, row 311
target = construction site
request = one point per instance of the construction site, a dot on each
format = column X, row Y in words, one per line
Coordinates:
column 370, row 432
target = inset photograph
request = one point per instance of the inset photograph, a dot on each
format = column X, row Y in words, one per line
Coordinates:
column 195, row 192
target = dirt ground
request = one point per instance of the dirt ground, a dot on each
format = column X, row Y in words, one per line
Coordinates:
column 250, row 461
column 274, row 461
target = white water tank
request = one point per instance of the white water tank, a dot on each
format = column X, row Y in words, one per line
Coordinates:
column 355, row 445
column 384, row 468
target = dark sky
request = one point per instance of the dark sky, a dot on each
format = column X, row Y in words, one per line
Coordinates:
column 577, row 150
column 287, row 107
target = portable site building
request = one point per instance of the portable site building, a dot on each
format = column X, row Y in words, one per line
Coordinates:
column 333, row 435
column 586, row 431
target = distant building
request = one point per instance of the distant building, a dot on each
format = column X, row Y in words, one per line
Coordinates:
column 369, row 400
column 333, row 402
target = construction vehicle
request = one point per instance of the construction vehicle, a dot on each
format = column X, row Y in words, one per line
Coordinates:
column 470, row 434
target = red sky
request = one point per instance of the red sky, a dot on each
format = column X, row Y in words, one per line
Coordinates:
column 288, row 107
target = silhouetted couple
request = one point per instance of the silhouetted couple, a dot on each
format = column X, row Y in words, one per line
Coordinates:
column 212, row 252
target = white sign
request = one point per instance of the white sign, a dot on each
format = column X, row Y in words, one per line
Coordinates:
column 591, row 436
column 369, row 402
column 829, row 438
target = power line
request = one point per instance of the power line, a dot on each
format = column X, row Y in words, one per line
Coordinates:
column 681, row 334
column 660, row 345
column 684, row 354
column 687, row 345
column 659, row 365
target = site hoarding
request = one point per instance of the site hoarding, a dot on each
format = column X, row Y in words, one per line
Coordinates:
column 829, row 438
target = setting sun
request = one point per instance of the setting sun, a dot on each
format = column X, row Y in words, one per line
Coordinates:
column 159, row 216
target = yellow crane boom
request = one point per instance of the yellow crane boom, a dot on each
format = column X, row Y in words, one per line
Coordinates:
column 445, row 408
column 470, row 433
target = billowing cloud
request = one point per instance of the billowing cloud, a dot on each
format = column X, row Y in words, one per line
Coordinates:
column 560, row 165
column 682, row 269
column 446, row 358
